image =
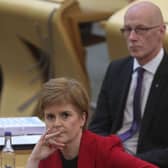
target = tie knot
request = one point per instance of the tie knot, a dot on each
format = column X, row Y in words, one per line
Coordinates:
column 140, row 71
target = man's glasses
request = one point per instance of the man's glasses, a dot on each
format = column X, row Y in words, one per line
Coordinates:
column 126, row 31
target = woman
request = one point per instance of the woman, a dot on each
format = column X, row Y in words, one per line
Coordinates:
column 66, row 142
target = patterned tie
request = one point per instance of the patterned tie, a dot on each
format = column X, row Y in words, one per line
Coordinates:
column 136, row 108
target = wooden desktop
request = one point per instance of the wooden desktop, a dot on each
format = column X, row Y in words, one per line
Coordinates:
column 21, row 157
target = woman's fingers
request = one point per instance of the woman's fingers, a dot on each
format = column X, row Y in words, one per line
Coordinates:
column 50, row 139
column 52, row 135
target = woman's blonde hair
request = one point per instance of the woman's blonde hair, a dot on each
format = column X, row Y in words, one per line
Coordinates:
column 64, row 90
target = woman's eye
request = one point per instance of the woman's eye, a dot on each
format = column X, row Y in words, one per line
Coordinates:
column 65, row 115
column 50, row 116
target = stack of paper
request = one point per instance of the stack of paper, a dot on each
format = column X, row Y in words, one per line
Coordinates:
column 22, row 126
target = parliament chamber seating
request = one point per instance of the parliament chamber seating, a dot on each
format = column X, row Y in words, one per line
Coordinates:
column 78, row 12
column 41, row 40
column 115, row 41
column 34, row 47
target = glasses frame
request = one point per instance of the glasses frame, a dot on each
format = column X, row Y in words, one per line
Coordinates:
column 138, row 30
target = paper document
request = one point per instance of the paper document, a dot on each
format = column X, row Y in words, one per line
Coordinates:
column 22, row 126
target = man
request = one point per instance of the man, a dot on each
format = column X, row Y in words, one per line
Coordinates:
column 144, row 30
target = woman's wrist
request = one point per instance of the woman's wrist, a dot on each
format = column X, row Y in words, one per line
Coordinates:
column 32, row 162
column 34, row 159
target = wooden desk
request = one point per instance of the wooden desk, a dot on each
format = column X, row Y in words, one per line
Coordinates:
column 21, row 157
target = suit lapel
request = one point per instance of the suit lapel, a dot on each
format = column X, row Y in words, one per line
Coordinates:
column 124, row 80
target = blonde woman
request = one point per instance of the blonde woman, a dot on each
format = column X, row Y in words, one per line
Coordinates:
column 66, row 142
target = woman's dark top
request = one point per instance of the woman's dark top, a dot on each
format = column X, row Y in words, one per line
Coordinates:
column 69, row 163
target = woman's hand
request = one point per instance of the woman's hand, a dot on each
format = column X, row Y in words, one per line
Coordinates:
column 46, row 146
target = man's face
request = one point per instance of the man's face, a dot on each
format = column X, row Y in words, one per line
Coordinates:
column 143, row 38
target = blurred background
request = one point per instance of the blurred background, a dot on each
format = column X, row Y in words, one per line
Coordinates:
column 43, row 39
column 97, row 62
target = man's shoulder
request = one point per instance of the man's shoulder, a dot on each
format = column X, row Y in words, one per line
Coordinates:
column 121, row 61
column 120, row 65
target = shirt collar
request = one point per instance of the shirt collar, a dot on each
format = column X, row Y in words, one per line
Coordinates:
column 152, row 65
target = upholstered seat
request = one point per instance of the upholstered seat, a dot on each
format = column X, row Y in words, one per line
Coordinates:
column 84, row 11
column 41, row 40
column 34, row 47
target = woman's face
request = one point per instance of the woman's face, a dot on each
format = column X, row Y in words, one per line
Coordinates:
column 66, row 119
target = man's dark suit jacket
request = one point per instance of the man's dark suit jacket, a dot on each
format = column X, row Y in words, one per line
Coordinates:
column 153, row 138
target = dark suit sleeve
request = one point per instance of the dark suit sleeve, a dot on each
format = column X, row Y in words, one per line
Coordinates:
column 156, row 156
column 101, row 120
